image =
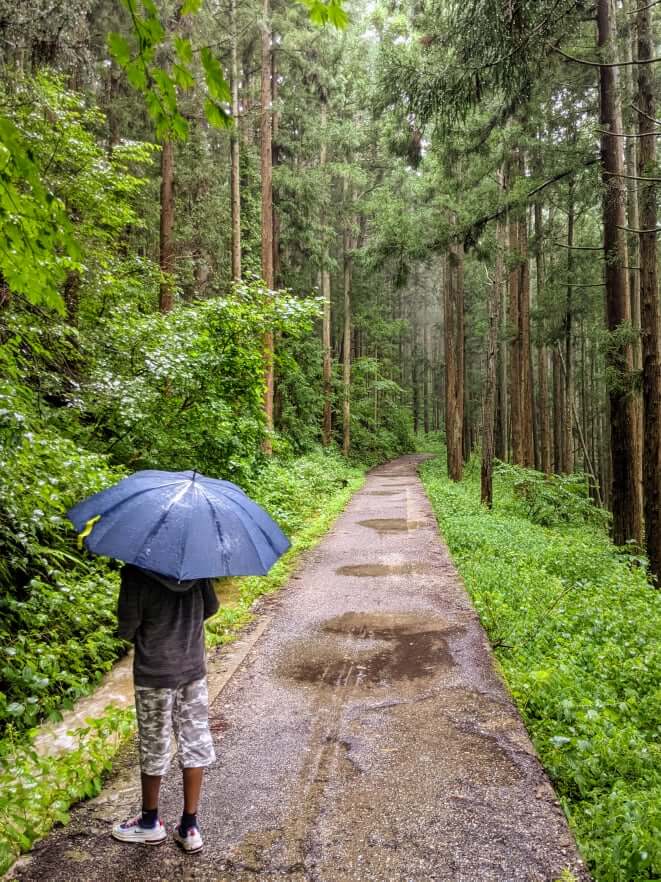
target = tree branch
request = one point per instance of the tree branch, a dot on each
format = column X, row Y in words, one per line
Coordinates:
column 473, row 231
column 601, row 63
column 629, row 134
column 657, row 122
column 579, row 247
column 634, row 230
column 643, row 8
column 631, row 177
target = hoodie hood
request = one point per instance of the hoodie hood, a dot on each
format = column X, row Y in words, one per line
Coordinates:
column 173, row 584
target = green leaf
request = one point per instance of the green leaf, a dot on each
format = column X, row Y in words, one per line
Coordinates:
column 215, row 79
column 184, row 50
column 119, row 49
column 189, row 6
column 217, row 115
column 183, row 77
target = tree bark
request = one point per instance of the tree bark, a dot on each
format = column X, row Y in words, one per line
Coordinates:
column 502, row 437
column 275, row 161
column 327, row 424
column 568, row 396
column 266, row 166
column 166, row 238
column 235, row 150
column 454, row 361
column 625, row 498
column 514, row 332
column 631, row 165
column 542, row 355
column 489, row 400
column 559, row 413
column 346, row 347
column 527, row 391
column 649, row 288
column 426, row 378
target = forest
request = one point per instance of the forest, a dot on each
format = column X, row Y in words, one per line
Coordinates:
column 283, row 241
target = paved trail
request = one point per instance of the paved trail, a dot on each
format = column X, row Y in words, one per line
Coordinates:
column 365, row 737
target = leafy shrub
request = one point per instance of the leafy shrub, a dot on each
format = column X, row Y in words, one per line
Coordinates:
column 294, row 490
column 184, row 390
column 550, row 500
column 57, row 606
column 36, row 791
column 576, row 631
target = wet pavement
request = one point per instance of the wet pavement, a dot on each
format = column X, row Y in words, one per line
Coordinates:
column 362, row 733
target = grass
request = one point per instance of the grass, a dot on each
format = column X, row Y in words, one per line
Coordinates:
column 576, row 626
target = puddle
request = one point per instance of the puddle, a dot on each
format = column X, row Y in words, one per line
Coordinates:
column 367, row 570
column 417, row 648
column 391, row 525
column 382, row 493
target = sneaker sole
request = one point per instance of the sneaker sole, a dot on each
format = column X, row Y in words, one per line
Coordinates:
column 138, row 841
column 189, row 850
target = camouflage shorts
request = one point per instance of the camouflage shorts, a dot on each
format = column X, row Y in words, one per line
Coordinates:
column 184, row 712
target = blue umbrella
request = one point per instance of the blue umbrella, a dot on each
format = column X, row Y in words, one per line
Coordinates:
column 181, row 525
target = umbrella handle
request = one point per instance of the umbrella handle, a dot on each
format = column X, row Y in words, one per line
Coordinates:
column 87, row 529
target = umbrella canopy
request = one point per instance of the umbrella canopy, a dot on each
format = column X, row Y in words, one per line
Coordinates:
column 181, row 525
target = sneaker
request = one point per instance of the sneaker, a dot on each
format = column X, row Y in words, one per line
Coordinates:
column 191, row 841
column 133, row 831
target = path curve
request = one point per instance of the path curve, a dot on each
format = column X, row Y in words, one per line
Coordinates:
column 365, row 737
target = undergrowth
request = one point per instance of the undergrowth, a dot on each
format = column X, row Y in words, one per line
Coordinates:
column 575, row 625
column 37, row 791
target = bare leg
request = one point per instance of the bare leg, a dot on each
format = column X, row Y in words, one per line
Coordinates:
column 151, row 786
column 192, row 788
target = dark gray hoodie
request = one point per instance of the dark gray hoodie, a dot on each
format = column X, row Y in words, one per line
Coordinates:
column 165, row 621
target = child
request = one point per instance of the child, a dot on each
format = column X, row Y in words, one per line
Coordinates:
column 165, row 621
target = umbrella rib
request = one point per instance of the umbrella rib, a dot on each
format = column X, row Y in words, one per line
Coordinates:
column 263, row 532
column 246, row 528
column 159, row 523
column 219, row 531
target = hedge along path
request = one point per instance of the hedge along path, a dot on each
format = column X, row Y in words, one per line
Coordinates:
column 365, row 734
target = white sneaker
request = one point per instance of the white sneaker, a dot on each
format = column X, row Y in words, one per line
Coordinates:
column 133, row 831
column 191, row 842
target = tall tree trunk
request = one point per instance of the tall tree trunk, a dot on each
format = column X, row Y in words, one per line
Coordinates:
column 426, row 368
column 542, row 355
column 631, row 165
column 568, row 397
column 527, row 391
column 514, row 331
column 651, row 318
column 415, row 373
column 559, row 413
column 489, row 400
column 266, row 160
column 502, row 436
column 327, row 424
column 166, row 239
column 275, row 161
column 625, row 499
column 454, row 361
column 235, row 148
column 346, row 347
